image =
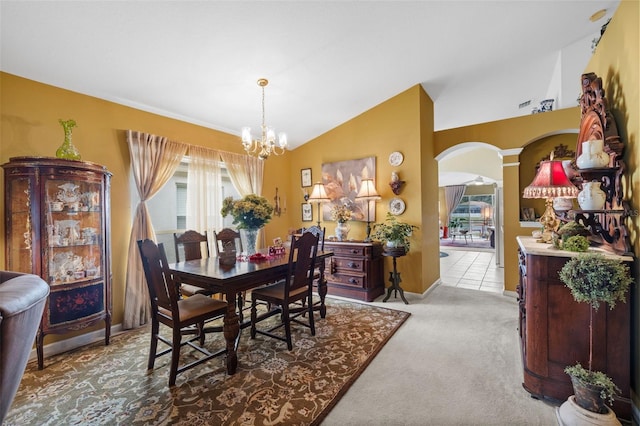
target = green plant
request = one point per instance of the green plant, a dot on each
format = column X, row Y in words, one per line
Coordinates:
column 570, row 229
column 252, row 211
column 594, row 279
column 608, row 389
column 394, row 231
column 575, row 243
column 456, row 222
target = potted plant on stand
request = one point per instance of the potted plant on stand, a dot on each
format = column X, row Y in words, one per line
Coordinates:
column 393, row 232
column 593, row 279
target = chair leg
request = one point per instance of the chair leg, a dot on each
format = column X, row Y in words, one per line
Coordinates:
column 155, row 329
column 241, row 296
column 201, row 334
column 175, row 356
column 312, row 322
column 254, row 317
column 287, row 325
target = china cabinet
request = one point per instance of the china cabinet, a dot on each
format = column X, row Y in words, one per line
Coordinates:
column 57, row 226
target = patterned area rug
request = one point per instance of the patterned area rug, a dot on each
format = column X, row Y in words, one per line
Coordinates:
column 109, row 385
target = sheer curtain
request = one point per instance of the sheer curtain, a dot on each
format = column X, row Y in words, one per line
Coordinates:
column 204, row 195
column 246, row 174
column 154, row 160
column 453, row 194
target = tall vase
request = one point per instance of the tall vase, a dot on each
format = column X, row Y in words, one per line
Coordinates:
column 250, row 240
column 342, row 230
column 67, row 150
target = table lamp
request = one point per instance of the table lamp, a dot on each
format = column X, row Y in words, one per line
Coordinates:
column 318, row 196
column 550, row 182
column 368, row 193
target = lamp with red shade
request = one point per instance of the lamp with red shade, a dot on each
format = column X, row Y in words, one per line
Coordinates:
column 550, row 182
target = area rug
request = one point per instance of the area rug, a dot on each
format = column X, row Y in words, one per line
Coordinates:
column 109, row 385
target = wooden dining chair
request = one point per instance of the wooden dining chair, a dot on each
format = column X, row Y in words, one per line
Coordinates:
column 227, row 236
column 184, row 316
column 296, row 287
column 190, row 244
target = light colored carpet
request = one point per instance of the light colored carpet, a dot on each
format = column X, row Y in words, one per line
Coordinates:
column 456, row 361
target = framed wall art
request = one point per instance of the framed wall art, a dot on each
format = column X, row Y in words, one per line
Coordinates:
column 307, row 212
column 305, row 177
column 342, row 181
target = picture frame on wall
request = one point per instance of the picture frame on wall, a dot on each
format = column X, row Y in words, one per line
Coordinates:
column 305, row 177
column 528, row 214
column 307, row 212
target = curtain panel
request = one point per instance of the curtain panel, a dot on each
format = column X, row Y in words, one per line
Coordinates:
column 453, row 194
column 154, row 160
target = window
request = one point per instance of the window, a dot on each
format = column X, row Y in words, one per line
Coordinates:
column 476, row 211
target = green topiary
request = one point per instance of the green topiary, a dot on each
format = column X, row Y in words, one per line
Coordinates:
column 575, row 243
column 594, row 278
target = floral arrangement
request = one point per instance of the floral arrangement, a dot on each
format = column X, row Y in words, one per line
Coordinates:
column 340, row 213
column 252, row 211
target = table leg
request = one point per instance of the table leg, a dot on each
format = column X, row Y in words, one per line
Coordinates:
column 394, row 278
column 231, row 330
column 322, row 290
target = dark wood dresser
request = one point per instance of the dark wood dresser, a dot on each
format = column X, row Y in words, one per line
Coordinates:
column 355, row 270
column 554, row 329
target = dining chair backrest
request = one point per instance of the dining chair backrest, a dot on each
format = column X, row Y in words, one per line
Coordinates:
column 163, row 289
column 191, row 243
column 227, row 236
column 318, row 232
column 302, row 258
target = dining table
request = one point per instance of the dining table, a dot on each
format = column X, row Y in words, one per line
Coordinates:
column 245, row 274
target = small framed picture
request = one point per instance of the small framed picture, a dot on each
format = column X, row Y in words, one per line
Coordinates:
column 528, row 214
column 305, row 177
column 307, row 212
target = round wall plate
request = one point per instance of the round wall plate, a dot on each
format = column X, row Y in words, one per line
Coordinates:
column 396, row 206
column 396, row 158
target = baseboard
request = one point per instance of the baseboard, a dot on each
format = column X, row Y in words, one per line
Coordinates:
column 75, row 342
column 510, row 293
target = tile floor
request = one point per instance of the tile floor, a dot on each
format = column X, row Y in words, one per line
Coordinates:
column 476, row 270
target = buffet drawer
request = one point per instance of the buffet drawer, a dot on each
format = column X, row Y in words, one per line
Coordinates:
column 342, row 264
column 346, row 279
column 357, row 251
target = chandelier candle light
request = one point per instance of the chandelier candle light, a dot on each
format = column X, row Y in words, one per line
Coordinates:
column 550, row 182
column 318, row 196
column 266, row 145
column 368, row 193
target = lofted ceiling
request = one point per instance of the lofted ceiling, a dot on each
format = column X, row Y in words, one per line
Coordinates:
column 327, row 62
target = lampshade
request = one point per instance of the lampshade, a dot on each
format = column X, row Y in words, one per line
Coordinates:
column 551, row 182
column 367, row 191
column 318, row 194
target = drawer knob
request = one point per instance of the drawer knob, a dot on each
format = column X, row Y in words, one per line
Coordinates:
column 353, row 281
column 352, row 265
column 354, row 251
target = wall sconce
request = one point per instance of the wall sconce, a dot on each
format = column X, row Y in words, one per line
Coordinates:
column 277, row 208
column 396, row 184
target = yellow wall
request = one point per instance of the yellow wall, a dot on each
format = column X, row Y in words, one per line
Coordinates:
column 30, row 113
column 617, row 61
column 403, row 123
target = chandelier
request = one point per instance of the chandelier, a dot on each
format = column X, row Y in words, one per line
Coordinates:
column 266, row 145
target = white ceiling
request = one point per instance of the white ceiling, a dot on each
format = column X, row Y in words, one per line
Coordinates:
column 327, row 62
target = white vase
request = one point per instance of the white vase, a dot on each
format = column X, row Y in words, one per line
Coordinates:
column 250, row 239
column 342, row 230
column 592, row 197
column 593, row 155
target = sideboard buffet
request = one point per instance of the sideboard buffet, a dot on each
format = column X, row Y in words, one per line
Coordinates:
column 554, row 328
column 355, row 270
column 57, row 226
